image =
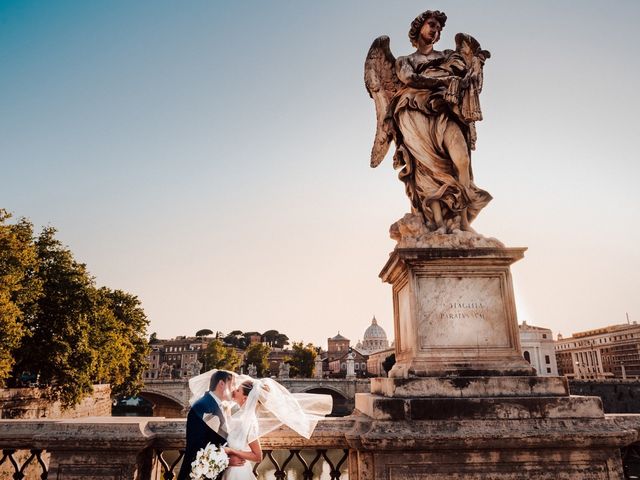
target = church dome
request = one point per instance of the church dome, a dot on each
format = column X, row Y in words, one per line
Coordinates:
column 375, row 331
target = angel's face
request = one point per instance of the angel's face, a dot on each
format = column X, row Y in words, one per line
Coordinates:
column 430, row 31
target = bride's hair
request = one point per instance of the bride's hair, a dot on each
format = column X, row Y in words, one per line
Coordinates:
column 246, row 386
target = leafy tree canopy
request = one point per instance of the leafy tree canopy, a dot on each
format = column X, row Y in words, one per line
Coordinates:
column 302, row 360
column 204, row 332
column 78, row 334
column 258, row 354
column 218, row 355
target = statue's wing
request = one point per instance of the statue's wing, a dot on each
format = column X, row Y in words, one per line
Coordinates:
column 382, row 83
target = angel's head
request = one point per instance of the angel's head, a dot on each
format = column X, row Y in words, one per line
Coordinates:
column 427, row 26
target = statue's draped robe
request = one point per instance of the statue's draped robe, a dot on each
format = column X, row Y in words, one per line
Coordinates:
column 424, row 122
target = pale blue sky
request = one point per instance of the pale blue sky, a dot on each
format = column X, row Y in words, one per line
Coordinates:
column 212, row 157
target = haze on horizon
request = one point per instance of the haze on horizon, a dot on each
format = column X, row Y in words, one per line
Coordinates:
column 213, row 158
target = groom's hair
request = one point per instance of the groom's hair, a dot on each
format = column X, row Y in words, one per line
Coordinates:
column 220, row 375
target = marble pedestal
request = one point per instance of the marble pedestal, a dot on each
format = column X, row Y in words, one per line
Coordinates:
column 479, row 428
column 454, row 312
column 461, row 402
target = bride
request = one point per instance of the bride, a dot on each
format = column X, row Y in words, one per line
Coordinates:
column 262, row 405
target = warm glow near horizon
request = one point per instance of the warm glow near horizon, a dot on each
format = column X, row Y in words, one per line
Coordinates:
column 213, row 157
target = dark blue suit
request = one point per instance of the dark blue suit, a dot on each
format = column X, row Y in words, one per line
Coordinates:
column 199, row 434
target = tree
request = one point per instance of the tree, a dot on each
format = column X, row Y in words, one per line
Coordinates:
column 19, row 287
column 233, row 338
column 389, row 362
column 218, row 355
column 281, row 340
column 302, row 360
column 204, row 332
column 258, row 354
column 130, row 328
column 275, row 339
column 78, row 334
column 59, row 350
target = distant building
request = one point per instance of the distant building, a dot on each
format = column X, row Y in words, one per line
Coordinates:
column 538, row 349
column 337, row 346
column 338, row 365
column 374, row 340
column 612, row 351
column 335, row 359
column 175, row 358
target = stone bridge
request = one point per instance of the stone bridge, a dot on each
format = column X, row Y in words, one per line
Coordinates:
column 170, row 398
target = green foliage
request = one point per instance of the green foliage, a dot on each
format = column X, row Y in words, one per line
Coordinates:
column 19, row 287
column 78, row 334
column 302, row 360
column 258, row 354
column 389, row 362
column 204, row 332
column 123, row 354
column 218, row 355
column 275, row 339
column 238, row 339
column 59, row 350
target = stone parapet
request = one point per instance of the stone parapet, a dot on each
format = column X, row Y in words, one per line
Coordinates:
column 469, row 387
column 126, row 448
column 32, row 403
column 120, row 448
column 509, row 408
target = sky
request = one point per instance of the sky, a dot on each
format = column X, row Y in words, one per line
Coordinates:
column 212, row 157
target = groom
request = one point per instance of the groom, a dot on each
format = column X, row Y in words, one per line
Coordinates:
column 206, row 422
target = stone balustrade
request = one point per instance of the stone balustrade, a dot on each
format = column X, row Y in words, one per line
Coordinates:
column 149, row 448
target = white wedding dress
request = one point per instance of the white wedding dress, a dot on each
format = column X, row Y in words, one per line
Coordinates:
column 244, row 472
column 268, row 406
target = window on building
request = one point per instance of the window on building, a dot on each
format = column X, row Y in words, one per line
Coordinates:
column 547, row 360
column 544, row 335
column 548, row 370
column 527, row 356
column 343, row 366
column 357, row 366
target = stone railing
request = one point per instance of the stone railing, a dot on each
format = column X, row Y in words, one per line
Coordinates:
column 150, row 448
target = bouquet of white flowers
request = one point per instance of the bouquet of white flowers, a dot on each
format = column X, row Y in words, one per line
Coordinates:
column 210, row 462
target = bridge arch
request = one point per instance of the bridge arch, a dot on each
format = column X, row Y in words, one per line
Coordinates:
column 341, row 404
column 164, row 405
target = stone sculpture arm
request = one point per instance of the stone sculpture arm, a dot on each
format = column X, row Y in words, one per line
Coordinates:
column 407, row 75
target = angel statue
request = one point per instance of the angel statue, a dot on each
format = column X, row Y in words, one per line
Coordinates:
column 427, row 103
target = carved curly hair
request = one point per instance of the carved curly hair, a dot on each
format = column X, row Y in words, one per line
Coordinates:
column 416, row 25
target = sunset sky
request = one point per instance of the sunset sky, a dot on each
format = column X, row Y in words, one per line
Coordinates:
column 212, row 157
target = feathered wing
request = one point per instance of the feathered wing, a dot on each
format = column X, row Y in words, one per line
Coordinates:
column 382, row 84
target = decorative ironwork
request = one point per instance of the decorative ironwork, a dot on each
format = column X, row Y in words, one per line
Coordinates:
column 168, row 470
column 35, row 458
column 276, row 463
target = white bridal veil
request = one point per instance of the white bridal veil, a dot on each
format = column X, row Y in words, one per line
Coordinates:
column 269, row 405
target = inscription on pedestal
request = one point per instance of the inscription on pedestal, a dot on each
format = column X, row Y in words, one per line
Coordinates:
column 461, row 312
